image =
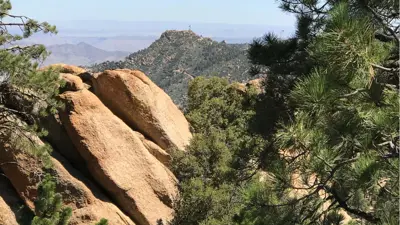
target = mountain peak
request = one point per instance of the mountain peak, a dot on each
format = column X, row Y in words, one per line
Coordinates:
column 177, row 32
column 84, row 44
column 179, row 55
column 180, row 34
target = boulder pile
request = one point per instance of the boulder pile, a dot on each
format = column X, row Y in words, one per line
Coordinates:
column 111, row 150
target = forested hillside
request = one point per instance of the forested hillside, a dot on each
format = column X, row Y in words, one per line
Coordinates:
column 179, row 56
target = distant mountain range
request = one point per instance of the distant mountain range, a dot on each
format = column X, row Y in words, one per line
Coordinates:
column 179, row 56
column 133, row 36
column 113, row 43
column 87, row 28
column 81, row 54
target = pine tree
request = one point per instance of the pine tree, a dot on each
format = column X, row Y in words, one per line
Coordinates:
column 48, row 205
column 49, row 209
column 35, row 90
column 222, row 155
column 20, row 79
column 25, row 92
column 342, row 140
column 19, row 73
column 287, row 60
column 329, row 119
column 290, row 58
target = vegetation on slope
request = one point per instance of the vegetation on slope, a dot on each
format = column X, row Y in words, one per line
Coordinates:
column 330, row 150
column 222, row 155
column 179, row 56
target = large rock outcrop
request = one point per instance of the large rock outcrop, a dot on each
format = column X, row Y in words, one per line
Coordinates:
column 89, row 205
column 119, row 158
column 73, row 76
column 64, row 68
column 144, row 106
column 128, row 159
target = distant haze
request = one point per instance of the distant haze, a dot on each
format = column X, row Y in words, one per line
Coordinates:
column 151, row 28
column 81, row 54
column 134, row 36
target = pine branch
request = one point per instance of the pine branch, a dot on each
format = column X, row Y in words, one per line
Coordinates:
column 353, row 93
column 292, row 159
column 397, row 27
column 291, row 202
column 325, row 162
column 383, row 37
column 316, row 184
column 343, row 204
column 394, row 150
column 385, row 68
column 12, row 24
column 388, row 191
column 380, row 20
column 251, row 175
column 337, row 167
column 14, row 16
column 310, row 8
column 319, row 10
column 20, row 48
column 311, row 214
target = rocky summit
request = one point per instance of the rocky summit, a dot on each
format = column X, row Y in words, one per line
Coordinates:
column 179, row 56
column 111, row 143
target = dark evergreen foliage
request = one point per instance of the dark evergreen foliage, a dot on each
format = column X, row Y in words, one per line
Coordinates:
column 27, row 93
column 48, row 205
column 223, row 153
column 328, row 120
column 19, row 75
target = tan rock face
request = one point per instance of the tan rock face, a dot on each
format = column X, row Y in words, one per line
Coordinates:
column 155, row 150
column 256, row 83
column 144, row 106
column 57, row 136
column 240, row 87
column 23, row 172
column 118, row 159
column 72, row 75
column 9, row 204
column 88, row 205
column 72, row 82
column 66, row 68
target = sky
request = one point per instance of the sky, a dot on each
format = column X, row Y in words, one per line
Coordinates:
column 264, row 12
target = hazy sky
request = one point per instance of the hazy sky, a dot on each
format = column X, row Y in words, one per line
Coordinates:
column 209, row 11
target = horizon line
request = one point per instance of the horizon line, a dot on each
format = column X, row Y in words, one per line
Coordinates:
column 170, row 21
